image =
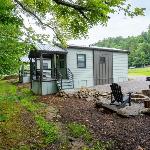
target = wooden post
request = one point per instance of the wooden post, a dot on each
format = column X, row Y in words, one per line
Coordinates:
column 36, row 68
column 31, row 71
column 55, row 65
column 41, row 71
column 147, row 103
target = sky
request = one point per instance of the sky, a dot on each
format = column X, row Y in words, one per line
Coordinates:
column 119, row 25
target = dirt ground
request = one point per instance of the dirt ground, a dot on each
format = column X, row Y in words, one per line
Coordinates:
column 127, row 133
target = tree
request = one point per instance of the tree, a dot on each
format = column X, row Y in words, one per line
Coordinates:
column 138, row 46
column 11, row 47
column 66, row 18
column 72, row 18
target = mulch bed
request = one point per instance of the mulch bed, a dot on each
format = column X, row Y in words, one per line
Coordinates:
column 128, row 133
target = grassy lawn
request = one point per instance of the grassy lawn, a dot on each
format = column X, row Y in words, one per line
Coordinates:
column 139, row 72
column 24, row 125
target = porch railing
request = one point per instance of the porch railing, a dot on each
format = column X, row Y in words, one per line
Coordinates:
column 70, row 76
column 59, row 78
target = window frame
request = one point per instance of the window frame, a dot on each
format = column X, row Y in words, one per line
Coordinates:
column 81, row 61
column 102, row 60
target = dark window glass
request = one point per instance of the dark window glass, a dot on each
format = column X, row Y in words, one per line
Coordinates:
column 81, row 60
column 62, row 63
column 102, row 60
column 45, row 66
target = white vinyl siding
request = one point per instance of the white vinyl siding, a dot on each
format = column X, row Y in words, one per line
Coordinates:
column 120, row 67
column 82, row 76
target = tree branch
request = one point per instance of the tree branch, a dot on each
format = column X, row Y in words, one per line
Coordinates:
column 71, row 5
column 76, row 7
column 37, row 18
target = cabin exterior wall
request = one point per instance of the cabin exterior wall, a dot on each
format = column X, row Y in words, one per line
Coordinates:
column 120, row 67
column 83, row 77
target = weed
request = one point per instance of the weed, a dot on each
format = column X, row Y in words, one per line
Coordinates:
column 29, row 105
column 49, row 129
column 100, row 145
column 77, row 130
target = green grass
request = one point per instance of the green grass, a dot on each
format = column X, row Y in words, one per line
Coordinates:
column 7, row 88
column 78, row 130
column 49, row 129
column 139, row 72
column 21, row 120
column 23, row 124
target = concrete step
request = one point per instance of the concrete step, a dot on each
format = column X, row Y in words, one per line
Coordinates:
column 66, row 84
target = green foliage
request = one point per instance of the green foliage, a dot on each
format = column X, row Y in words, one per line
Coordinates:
column 138, row 46
column 49, row 129
column 77, row 130
column 11, row 47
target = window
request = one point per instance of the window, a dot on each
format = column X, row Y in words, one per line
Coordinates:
column 62, row 64
column 45, row 66
column 102, row 60
column 81, row 60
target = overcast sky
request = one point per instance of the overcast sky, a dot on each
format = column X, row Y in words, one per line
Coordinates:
column 119, row 25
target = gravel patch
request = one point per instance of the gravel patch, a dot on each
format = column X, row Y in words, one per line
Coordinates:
column 129, row 86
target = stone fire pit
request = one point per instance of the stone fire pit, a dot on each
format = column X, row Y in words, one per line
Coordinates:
column 139, row 98
column 136, row 108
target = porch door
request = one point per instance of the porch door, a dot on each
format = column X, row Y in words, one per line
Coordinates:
column 62, row 65
column 103, row 71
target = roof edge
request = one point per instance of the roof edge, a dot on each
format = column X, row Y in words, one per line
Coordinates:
column 99, row 48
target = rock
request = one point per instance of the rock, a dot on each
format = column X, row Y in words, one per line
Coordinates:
column 146, row 111
column 77, row 145
column 98, row 105
column 139, row 148
column 104, row 94
column 146, row 92
column 71, row 139
column 89, row 99
column 58, row 116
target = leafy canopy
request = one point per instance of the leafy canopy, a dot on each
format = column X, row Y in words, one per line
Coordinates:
column 72, row 18
column 11, row 48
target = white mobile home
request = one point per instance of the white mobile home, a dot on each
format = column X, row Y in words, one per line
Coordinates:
column 75, row 66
